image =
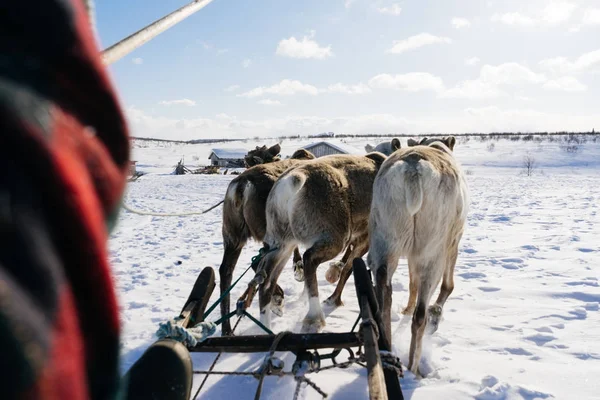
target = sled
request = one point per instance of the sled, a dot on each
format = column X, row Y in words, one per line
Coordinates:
column 365, row 348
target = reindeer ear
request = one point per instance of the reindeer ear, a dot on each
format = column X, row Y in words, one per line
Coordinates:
column 450, row 141
column 396, row 144
column 412, row 142
column 274, row 150
column 423, row 141
column 376, row 156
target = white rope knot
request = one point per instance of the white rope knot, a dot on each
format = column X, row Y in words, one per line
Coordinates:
column 190, row 337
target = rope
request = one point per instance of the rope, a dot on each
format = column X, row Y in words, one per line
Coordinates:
column 255, row 260
column 188, row 336
column 213, row 364
column 265, row 366
column 225, row 293
column 257, row 322
column 314, row 386
column 269, row 368
column 298, row 386
column 355, row 323
column 185, row 214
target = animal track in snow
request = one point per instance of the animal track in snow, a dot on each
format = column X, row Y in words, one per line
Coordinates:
column 540, row 338
column 472, row 275
column 488, row 289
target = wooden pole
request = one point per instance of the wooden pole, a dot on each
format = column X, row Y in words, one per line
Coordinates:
column 292, row 342
column 132, row 42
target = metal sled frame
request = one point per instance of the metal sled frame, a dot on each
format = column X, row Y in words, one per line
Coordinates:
column 370, row 343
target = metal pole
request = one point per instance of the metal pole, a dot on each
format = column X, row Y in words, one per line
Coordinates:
column 130, row 43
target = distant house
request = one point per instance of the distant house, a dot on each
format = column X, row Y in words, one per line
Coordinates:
column 321, row 149
column 227, row 157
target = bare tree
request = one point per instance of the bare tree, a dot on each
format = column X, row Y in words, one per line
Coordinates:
column 529, row 164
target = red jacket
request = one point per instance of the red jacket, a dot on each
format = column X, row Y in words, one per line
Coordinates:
column 64, row 152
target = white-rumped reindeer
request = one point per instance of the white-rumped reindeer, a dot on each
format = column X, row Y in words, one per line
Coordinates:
column 419, row 209
column 323, row 205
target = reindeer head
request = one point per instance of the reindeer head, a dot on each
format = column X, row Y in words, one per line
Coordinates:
column 262, row 155
column 302, row 154
column 447, row 141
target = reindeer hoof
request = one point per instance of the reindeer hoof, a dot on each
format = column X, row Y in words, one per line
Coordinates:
column 408, row 310
column 435, row 314
column 335, row 270
column 277, row 305
column 299, row 271
column 313, row 325
column 333, row 302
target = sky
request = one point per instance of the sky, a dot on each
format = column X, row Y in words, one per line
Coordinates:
column 248, row 68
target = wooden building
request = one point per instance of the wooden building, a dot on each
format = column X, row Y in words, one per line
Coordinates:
column 227, row 157
column 320, row 149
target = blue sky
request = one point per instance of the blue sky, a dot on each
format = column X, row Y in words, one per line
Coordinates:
column 242, row 68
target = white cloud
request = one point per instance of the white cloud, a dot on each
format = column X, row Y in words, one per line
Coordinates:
column 246, row 63
column 180, row 102
column 269, row 102
column 555, row 13
column 558, row 12
column 414, row 42
column 483, row 119
column 360, row 88
column 566, row 84
column 305, row 48
column 348, row 3
column 591, row 16
column 509, row 74
column 489, row 119
column 286, row 87
column 232, row 88
column 491, row 78
column 138, row 60
column 460, row 23
column 474, row 90
column 222, row 51
column 513, row 18
column 410, row 82
column 562, row 65
column 472, row 61
column 393, row 9
column 206, row 45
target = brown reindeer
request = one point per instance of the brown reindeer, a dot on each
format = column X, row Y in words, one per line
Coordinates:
column 244, row 218
column 324, row 205
column 262, row 155
column 419, row 211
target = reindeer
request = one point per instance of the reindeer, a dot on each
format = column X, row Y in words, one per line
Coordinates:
column 324, row 205
column 419, row 210
column 388, row 148
column 244, row 217
column 262, row 155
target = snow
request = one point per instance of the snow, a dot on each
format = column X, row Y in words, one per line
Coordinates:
column 236, row 154
column 523, row 321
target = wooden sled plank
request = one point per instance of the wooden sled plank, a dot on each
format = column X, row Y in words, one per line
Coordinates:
column 193, row 309
column 292, row 342
column 366, row 295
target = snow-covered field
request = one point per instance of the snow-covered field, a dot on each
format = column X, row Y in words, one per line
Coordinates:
column 523, row 321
